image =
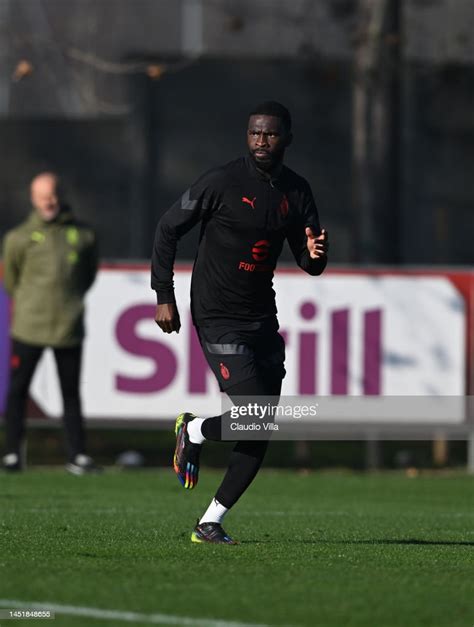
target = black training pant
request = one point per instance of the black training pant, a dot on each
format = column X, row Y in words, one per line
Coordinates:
column 24, row 359
column 247, row 362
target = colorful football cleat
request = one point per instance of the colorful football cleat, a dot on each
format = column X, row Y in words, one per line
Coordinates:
column 186, row 454
column 211, row 533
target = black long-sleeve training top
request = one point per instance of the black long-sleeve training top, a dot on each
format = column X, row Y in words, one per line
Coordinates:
column 245, row 217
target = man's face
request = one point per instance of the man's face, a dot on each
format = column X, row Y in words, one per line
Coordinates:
column 267, row 139
column 44, row 196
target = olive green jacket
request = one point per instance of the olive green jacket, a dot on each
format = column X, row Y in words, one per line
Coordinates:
column 48, row 267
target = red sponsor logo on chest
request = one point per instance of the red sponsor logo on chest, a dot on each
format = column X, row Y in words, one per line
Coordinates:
column 261, row 250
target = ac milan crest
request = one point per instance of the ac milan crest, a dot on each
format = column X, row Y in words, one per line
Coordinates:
column 284, row 206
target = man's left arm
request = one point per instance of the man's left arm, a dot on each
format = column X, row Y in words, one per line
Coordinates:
column 92, row 261
column 309, row 243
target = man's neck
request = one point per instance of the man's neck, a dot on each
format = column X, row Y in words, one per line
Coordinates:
column 272, row 174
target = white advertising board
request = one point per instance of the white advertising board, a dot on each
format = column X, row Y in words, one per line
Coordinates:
column 346, row 335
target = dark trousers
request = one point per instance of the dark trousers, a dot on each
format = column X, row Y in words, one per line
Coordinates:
column 247, row 455
column 247, row 361
column 24, row 359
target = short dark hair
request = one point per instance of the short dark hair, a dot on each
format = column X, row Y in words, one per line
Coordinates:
column 275, row 109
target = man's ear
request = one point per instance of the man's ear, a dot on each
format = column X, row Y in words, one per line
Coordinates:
column 289, row 139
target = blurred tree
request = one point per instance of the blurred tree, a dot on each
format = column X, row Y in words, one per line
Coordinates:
column 375, row 137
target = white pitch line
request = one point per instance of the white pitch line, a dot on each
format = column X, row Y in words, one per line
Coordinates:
column 128, row 617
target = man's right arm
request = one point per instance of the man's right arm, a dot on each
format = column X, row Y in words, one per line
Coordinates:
column 195, row 204
column 11, row 263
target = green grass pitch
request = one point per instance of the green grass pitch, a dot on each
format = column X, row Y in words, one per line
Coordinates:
column 317, row 549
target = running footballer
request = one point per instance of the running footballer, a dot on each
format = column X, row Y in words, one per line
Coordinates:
column 246, row 210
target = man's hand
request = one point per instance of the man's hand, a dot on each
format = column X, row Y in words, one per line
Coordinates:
column 318, row 245
column 167, row 318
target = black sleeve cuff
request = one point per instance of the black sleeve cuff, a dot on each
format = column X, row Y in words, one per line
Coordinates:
column 314, row 267
column 164, row 297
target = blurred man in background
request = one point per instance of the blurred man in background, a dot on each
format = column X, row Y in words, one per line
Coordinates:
column 50, row 261
column 247, row 209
